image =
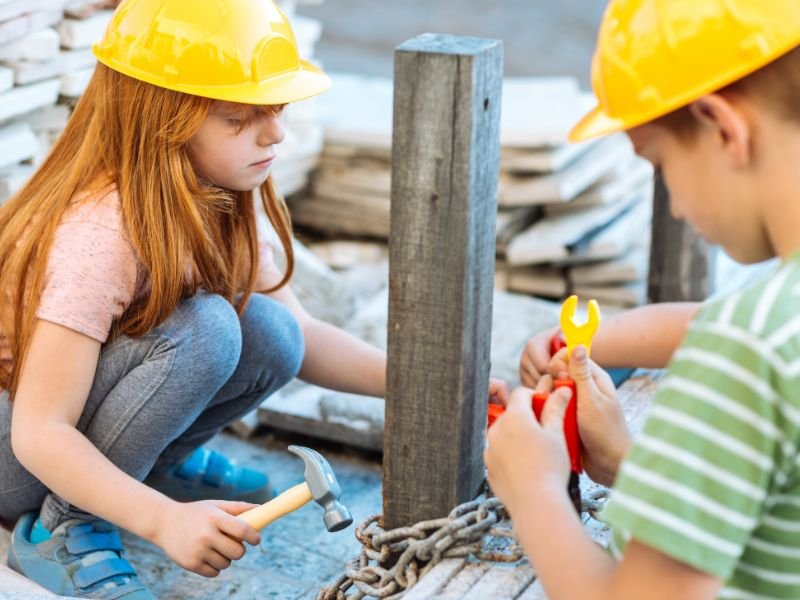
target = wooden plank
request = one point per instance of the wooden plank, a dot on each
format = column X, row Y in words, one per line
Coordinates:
column 464, row 581
column 363, row 173
column 300, row 410
column 502, row 582
column 445, row 161
column 340, row 217
column 534, row 592
column 681, row 262
column 436, row 579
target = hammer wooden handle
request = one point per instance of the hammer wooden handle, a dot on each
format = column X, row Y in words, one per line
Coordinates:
column 292, row 499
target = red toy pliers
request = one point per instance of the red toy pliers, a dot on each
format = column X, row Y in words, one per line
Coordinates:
column 573, row 335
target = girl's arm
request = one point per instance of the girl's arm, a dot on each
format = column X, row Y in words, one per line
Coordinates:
column 569, row 564
column 54, row 384
column 336, row 359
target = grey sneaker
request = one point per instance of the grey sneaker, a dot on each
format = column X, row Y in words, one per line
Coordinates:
column 81, row 558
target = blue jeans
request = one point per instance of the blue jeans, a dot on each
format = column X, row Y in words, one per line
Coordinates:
column 158, row 397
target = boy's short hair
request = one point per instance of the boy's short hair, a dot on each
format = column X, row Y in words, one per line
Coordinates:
column 776, row 86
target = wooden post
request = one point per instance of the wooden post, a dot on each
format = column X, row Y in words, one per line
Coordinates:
column 681, row 262
column 445, row 163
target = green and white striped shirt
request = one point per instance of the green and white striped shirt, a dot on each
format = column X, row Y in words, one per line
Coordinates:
column 712, row 479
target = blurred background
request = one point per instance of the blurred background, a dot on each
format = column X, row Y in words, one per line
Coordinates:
column 541, row 37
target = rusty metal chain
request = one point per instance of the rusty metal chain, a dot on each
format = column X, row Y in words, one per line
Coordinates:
column 415, row 550
column 593, row 502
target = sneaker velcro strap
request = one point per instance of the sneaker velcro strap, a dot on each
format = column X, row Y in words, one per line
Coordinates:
column 195, row 465
column 100, row 571
column 94, row 541
column 218, row 469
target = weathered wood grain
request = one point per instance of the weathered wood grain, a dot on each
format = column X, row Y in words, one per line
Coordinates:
column 445, row 162
column 434, row 581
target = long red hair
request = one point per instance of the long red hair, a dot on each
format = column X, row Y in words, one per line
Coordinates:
column 134, row 136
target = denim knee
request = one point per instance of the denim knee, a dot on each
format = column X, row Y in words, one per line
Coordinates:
column 208, row 335
column 273, row 343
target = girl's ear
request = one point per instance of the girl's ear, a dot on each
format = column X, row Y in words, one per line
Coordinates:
column 727, row 124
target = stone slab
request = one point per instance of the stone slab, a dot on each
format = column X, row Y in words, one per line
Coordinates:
column 37, row 46
column 82, row 33
column 17, row 143
column 23, row 99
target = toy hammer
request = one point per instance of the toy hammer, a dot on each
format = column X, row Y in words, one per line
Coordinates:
column 320, row 485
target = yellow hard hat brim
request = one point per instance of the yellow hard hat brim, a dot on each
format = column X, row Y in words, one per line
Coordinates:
column 595, row 124
column 293, row 86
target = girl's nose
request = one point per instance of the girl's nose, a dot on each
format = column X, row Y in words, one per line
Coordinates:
column 271, row 130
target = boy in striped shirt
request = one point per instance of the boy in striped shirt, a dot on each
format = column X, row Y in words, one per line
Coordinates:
column 706, row 502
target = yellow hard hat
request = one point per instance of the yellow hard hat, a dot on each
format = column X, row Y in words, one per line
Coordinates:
column 235, row 50
column 655, row 56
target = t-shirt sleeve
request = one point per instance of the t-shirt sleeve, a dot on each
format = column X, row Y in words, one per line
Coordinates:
column 90, row 279
column 267, row 264
column 694, row 483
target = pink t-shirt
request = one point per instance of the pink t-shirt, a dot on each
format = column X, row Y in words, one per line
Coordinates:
column 93, row 273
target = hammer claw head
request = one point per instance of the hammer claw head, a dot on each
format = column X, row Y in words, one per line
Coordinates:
column 324, row 487
column 318, row 473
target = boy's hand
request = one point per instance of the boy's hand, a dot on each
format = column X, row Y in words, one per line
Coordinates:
column 601, row 422
column 535, row 357
column 498, row 391
column 205, row 537
column 524, row 455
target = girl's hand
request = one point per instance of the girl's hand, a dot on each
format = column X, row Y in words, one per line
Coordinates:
column 536, row 357
column 205, row 537
column 601, row 422
column 523, row 455
column 498, row 391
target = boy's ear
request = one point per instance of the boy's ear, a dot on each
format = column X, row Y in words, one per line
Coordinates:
column 727, row 123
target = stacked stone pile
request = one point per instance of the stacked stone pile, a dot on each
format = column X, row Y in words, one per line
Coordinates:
column 572, row 217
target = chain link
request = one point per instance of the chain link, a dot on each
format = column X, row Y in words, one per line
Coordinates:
column 593, row 502
column 469, row 530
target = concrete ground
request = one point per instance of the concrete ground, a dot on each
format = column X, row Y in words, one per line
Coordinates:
column 297, row 556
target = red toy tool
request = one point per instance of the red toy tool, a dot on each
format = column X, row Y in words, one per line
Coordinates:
column 574, row 335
